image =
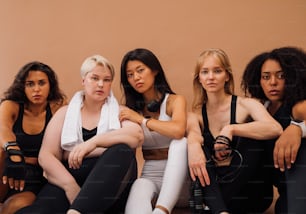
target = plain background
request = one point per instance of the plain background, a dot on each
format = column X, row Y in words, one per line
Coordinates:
column 62, row 33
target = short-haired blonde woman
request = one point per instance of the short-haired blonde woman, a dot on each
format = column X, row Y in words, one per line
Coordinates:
column 221, row 154
column 87, row 152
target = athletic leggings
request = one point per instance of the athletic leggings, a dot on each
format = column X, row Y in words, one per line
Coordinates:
column 162, row 180
column 105, row 182
column 244, row 191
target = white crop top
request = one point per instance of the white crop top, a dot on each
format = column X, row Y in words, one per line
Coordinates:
column 152, row 139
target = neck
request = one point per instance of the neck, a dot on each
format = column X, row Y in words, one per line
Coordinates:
column 36, row 109
column 214, row 99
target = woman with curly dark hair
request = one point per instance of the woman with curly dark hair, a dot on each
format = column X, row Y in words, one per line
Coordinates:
column 277, row 78
column 25, row 110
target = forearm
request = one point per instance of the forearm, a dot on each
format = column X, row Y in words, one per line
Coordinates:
column 171, row 129
column 56, row 173
column 132, row 138
column 259, row 130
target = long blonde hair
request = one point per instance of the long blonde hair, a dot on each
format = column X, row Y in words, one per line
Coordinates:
column 199, row 93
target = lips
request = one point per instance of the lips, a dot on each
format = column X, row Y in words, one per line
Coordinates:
column 138, row 85
column 274, row 92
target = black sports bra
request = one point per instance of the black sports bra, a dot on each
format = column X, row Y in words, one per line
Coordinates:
column 29, row 144
column 209, row 138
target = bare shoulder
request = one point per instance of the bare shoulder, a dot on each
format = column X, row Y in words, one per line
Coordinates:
column 248, row 101
column 56, row 106
column 176, row 98
column 298, row 110
column 9, row 107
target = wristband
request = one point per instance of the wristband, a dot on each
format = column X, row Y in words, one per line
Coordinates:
column 145, row 121
column 302, row 126
column 8, row 144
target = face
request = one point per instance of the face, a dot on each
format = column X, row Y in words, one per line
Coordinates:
column 212, row 75
column 272, row 80
column 37, row 87
column 97, row 83
column 140, row 76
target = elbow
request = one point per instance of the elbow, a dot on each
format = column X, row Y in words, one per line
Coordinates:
column 138, row 139
column 179, row 133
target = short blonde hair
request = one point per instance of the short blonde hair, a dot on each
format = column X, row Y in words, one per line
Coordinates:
column 92, row 61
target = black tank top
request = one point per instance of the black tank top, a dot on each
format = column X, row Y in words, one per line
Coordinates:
column 29, row 144
column 208, row 137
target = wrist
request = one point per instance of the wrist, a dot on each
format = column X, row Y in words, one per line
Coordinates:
column 145, row 121
column 10, row 144
column 301, row 125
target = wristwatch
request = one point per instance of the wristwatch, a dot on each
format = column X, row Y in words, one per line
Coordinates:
column 8, row 144
column 301, row 124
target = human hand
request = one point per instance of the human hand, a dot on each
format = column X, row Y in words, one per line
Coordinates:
column 222, row 147
column 15, row 167
column 129, row 114
column 197, row 163
column 78, row 153
column 286, row 147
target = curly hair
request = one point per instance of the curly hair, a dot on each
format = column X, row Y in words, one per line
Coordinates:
column 293, row 63
column 16, row 92
column 133, row 99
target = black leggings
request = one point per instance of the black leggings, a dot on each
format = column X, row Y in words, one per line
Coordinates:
column 245, row 191
column 105, row 183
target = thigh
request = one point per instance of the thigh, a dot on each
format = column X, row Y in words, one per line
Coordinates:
column 51, row 199
column 18, row 201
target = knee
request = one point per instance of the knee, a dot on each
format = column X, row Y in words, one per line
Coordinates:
column 15, row 203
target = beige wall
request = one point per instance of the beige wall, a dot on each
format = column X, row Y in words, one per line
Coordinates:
column 62, row 33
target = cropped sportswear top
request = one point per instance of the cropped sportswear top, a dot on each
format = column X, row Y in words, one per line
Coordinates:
column 29, row 144
column 208, row 137
column 152, row 139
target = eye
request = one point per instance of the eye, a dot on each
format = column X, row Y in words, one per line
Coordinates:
column 203, row 71
column 42, row 82
column 265, row 76
column 280, row 75
column 129, row 75
column 140, row 70
column 94, row 78
column 29, row 84
column 217, row 70
column 107, row 80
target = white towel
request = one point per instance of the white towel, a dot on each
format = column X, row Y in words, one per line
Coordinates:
column 72, row 129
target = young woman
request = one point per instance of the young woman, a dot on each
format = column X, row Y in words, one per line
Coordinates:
column 277, row 78
column 87, row 153
column 25, row 110
column 162, row 115
column 228, row 163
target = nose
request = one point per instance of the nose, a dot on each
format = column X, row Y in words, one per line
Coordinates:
column 100, row 83
column 210, row 74
column 36, row 87
column 136, row 76
column 273, row 80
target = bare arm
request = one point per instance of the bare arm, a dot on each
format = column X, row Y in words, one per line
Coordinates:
column 196, row 157
column 263, row 126
column 174, row 128
column 50, row 155
column 8, row 115
column 130, row 133
column 288, row 144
